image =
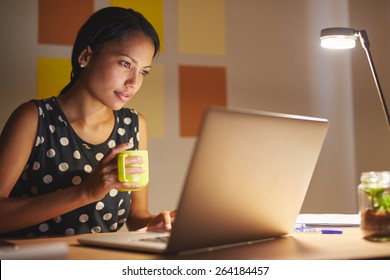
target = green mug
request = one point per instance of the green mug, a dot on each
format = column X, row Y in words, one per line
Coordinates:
column 141, row 179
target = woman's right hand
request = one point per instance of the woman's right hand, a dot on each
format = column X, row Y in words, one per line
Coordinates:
column 105, row 176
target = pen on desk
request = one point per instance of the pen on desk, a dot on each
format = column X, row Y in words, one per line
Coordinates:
column 331, row 231
column 315, row 230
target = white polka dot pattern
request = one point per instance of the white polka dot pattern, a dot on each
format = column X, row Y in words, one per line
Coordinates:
column 88, row 168
column 61, row 159
column 99, row 156
column 43, row 227
column 83, row 218
column 69, row 231
column 76, row 155
column 121, row 131
column 127, row 121
column 47, row 179
column 51, row 153
column 64, row 141
column 76, row 180
column 63, row 166
column 113, row 192
column 107, row 216
column 40, row 140
column 36, row 166
column 111, row 144
column 99, row 205
column 96, row 229
column 114, row 226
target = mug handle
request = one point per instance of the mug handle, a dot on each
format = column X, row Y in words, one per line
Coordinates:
column 122, row 168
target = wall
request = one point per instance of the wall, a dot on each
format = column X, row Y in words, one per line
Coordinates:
column 274, row 63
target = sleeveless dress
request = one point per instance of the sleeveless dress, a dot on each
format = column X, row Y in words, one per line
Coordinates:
column 61, row 159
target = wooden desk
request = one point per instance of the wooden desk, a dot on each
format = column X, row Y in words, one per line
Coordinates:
column 297, row 246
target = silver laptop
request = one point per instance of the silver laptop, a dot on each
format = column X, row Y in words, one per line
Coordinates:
column 247, row 180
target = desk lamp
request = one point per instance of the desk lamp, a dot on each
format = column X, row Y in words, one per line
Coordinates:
column 345, row 38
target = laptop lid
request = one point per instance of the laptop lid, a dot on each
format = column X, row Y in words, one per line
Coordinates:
column 248, row 177
column 247, row 180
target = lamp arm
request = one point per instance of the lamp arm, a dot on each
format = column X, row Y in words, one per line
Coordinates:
column 366, row 46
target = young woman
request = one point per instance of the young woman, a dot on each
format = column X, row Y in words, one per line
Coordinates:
column 58, row 156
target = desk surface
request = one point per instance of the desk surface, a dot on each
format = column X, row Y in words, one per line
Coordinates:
column 296, row 246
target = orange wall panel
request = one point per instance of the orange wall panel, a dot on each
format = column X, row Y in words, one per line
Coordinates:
column 60, row 20
column 200, row 87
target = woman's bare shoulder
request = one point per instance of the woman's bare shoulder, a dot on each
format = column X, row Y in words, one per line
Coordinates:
column 26, row 114
column 16, row 141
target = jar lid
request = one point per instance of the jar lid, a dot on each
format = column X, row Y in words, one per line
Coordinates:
column 376, row 179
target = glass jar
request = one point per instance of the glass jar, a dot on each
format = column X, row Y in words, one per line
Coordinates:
column 374, row 205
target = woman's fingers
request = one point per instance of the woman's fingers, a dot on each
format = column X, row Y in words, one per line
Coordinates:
column 114, row 151
column 164, row 220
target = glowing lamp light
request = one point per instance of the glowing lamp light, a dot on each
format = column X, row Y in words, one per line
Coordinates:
column 345, row 38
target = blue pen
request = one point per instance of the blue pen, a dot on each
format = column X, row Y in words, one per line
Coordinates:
column 314, row 230
column 331, row 231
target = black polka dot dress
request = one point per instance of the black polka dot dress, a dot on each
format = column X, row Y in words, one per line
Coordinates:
column 60, row 159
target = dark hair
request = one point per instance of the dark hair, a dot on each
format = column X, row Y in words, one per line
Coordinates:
column 108, row 25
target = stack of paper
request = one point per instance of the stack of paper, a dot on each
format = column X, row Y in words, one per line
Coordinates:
column 329, row 220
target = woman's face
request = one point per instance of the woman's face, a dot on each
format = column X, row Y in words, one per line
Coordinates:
column 115, row 73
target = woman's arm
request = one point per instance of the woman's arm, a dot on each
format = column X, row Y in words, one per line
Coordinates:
column 16, row 142
column 139, row 216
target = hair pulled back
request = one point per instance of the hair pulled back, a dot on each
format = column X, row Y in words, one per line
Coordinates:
column 108, row 25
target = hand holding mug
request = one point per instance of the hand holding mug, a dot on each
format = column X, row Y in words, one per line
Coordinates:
column 141, row 179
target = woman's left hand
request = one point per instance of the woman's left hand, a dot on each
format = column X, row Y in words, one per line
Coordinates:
column 163, row 221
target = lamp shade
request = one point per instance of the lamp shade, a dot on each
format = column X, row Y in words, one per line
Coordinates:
column 345, row 38
column 338, row 38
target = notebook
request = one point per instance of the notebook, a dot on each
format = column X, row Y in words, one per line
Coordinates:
column 246, row 181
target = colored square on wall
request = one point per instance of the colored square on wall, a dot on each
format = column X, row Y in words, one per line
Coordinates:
column 149, row 101
column 152, row 10
column 201, row 26
column 200, row 87
column 60, row 20
column 53, row 76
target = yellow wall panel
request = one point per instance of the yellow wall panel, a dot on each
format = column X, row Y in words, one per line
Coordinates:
column 201, row 26
column 53, row 76
column 152, row 10
column 150, row 101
